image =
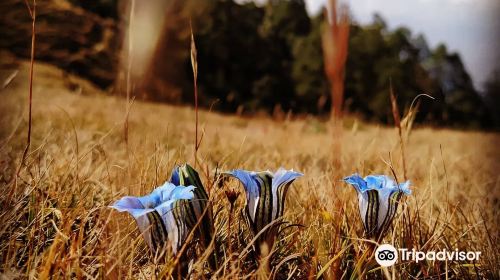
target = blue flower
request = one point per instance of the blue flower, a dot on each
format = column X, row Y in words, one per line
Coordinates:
column 265, row 194
column 378, row 197
column 154, row 216
column 195, row 209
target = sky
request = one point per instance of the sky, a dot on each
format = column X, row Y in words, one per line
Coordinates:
column 469, row 27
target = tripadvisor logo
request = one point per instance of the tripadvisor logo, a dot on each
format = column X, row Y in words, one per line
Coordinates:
column 387, row 255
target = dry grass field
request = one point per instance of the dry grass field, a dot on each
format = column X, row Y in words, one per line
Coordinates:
column 54, row 219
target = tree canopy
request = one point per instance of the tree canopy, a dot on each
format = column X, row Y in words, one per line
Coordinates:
column 263, row 58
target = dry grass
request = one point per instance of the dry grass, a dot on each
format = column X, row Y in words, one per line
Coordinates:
column 57, row 222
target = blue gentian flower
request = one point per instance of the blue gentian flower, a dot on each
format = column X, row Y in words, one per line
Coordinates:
column 194, row 209
column 154, row 216
column 379, row 197
column 265, row 195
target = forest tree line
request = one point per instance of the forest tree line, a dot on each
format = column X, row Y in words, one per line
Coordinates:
column 266, row 58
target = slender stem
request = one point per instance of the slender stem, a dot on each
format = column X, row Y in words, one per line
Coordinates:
column 194, row 64
column 129, row 66
column 196, row 114
column 229, row 223
column 130, row 46
column 32, row 60
column 403, row 158
column 32, row 12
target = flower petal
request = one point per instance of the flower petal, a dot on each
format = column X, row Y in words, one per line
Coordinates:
column 372, row 203
column 157, row 232
column 132, row 205
column 175, row 222
column 172, row 195
column 173, row 214
column 177, row 194
column 363, row 207
column 170, row 191
column 405, row 187
column 357, row 182
column 263, row 211
column 386, row 203
column 195, row 208
column 174, row 178
column 126, row 203
column 375, row 182
column 153, row 199
column 389, row 200
column 145, row 228
column 189, row 177
column 378, row 197
column 281, row 180
column 283, row 176
column 182, row 192
column 251, row 189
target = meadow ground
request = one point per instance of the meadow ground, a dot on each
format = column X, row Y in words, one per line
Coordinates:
column 54, row 219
